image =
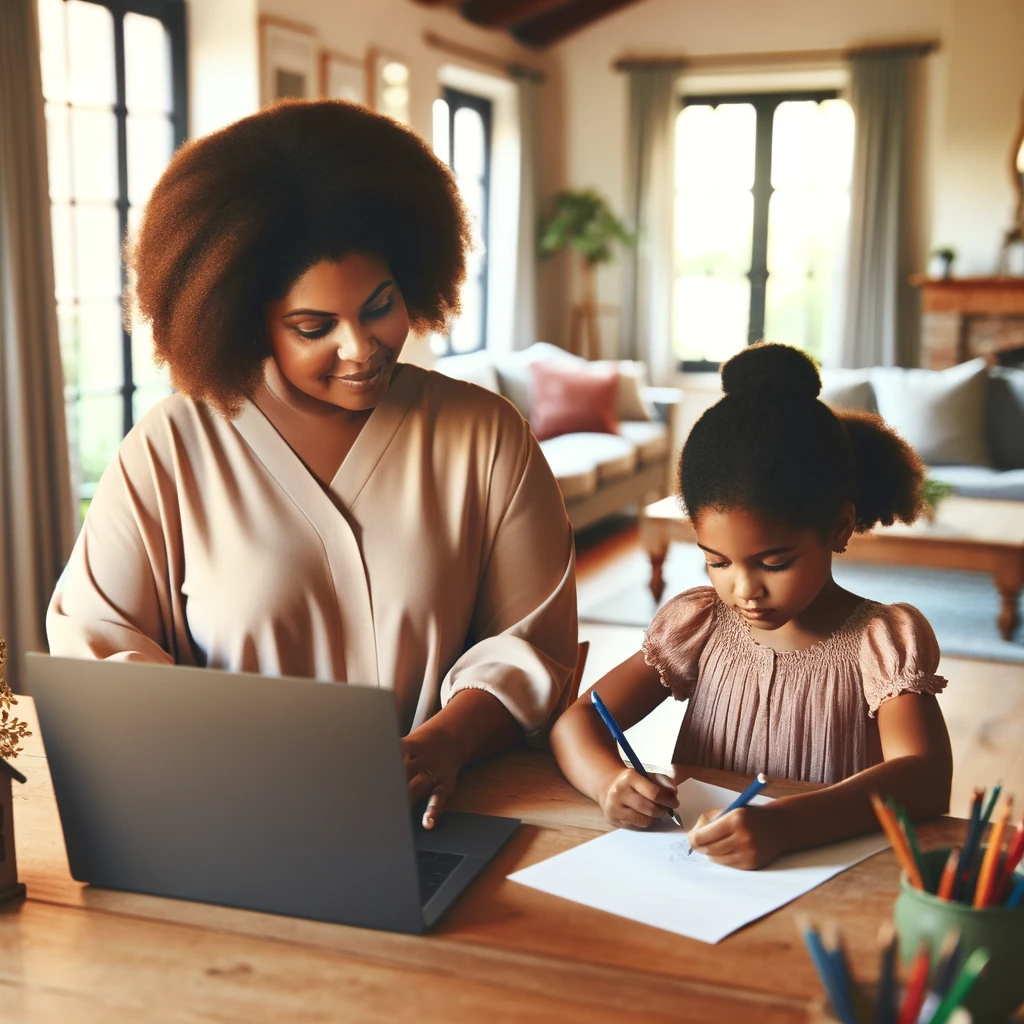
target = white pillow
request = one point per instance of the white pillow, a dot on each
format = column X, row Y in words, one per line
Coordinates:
column 940, row 412
column 848, row 389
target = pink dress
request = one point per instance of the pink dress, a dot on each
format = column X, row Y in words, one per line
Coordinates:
column 807, row 714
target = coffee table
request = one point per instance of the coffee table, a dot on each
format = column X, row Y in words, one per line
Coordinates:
column 965, row 533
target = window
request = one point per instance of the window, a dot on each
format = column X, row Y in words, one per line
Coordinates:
column 761, row 209
column 462, row 139
column 114, row 89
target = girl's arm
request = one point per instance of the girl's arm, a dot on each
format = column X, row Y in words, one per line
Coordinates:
column 917, row 774
column 589, row 757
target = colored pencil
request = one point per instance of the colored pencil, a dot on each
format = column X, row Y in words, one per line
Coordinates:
column 620, row 737
column 990, row 862
column 841, row 971
column 915, row 851
column 917, row 985
column 747, row 795
column 1014, row 853
column 990, row 806
column 825, row 967
column 897, row 840
column 1017, row 895
column 963, row 869
column 961, row 988
column 949, row 957
column 948, row 879
column 885, row 1007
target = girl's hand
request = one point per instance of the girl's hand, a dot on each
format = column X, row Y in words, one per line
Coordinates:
column 631, row 801
column 746, row 838
column 431, row 768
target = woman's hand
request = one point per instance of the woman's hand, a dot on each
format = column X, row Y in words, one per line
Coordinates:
column 631, row 801
column 431, row 767
column 746, row 838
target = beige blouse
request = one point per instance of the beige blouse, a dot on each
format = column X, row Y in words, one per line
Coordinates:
column 807, row 714
column 440, row 558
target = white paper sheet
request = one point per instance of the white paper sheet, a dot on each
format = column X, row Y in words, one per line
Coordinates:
column 650, row 877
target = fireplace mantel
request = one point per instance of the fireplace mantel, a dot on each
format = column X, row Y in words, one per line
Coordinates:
column 965, row 317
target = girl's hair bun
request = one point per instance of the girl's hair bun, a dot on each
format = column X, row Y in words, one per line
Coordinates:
column 774, row 367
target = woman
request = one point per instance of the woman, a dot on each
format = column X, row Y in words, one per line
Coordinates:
column 305, row 505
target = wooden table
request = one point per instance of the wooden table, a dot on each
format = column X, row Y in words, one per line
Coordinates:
column 966, row 533
column 73, row 954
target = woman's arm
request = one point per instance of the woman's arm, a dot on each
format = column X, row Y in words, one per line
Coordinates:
column 917, row 774
column 589, row 757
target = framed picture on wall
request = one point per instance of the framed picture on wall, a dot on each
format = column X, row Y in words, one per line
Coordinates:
column 288, row 60
column 389, row 81
column 342, row 77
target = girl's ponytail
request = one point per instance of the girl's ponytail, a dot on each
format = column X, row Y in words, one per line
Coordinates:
column 889, row 473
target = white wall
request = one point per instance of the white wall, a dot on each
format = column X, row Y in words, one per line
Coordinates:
column 969, row 96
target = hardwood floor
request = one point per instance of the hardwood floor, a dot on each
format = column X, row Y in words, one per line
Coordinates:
column 983, row 703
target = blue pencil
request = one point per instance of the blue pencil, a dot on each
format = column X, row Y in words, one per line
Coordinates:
column 620, row 738
column 1017, row 895
column 826, row 967
column 747, row 795
column 989, row 807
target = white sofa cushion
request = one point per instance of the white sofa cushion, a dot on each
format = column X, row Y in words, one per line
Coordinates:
column 610, row 456
column 940, row 412
column 649, row 439
column 575, row 472
column 848, row 389
column 981, row 481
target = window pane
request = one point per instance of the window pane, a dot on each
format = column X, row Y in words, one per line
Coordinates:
column 52, row 52
column 393, row 89
column 715, row 146
column 63, row 251
column 470, row 148
column 97, row 251
column 91, row 52
column 467, row 331
column 144, row 399
column 150, row 145
column 712, row 316
column 442, row 142
column 94, row 345
column 714, row 232
column 94, row 154
column 144, row 373
column 58, row 154
column 812, row 144
column 98, row 422
column 147, row 65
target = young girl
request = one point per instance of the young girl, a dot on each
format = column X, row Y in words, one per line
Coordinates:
column 785, row 671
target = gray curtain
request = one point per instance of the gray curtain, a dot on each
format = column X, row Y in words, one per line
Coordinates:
column 36, row 510
column 877, row 294
column 647, row 278
column 524, row 327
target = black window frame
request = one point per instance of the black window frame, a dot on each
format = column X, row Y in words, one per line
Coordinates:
column 764, row 104
column 484, row 106
column 172, row 14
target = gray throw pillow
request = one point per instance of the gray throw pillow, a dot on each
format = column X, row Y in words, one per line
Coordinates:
column 848, row 389
column 940, row 412
column 1005, row 407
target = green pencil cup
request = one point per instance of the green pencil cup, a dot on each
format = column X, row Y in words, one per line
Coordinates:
column 920, row 915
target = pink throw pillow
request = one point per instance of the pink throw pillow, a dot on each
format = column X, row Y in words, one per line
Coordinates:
column 566, row 400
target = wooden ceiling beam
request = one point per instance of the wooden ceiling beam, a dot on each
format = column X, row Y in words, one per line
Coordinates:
column 505, row 13
column 562, row 21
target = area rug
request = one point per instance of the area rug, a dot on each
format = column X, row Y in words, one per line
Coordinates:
column 961, row 606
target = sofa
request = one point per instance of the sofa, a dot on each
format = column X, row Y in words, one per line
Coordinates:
column 599, row 473
column 966, row 422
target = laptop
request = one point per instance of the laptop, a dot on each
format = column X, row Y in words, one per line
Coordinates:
column 273, row 794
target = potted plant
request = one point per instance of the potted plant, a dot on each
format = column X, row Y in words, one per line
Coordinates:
column 12, row 732
column 583, row 222
column 942, row 262
column 933, row 492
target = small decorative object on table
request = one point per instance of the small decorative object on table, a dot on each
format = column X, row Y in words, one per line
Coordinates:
column 11, row 733
column 932, row 492
column 941, row 264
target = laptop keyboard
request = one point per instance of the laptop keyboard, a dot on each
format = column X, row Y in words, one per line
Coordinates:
column 434, row 870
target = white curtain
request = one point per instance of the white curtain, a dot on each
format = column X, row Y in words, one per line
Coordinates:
column 524, row 327
column 647, row 278
column 877, row 294
column 36, row 510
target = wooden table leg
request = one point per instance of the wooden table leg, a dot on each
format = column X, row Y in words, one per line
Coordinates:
column 1009, row 581
column 657, row 579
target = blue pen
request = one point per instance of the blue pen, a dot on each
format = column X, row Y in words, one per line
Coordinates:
column 620, row 738
column 1017, row 895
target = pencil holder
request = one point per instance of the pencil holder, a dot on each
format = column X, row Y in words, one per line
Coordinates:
column 920, row 915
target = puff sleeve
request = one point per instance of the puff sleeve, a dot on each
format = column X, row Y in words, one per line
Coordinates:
column 899, row 654
column 677, row 636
